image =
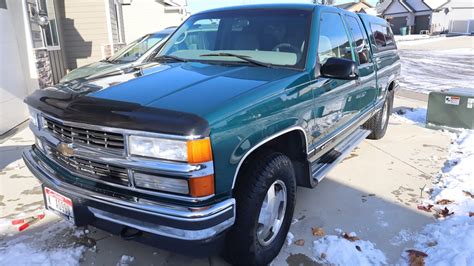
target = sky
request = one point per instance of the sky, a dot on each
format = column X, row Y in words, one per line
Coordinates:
column 199, row 5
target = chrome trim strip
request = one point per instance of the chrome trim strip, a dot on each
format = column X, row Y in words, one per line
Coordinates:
column 182, row 213
column 265, row 141
column 164, row 230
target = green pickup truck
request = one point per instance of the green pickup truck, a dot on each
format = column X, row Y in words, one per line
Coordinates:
column 204, row 147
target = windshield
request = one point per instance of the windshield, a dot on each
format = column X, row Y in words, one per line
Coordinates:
column 136, row 49
column 270, row 36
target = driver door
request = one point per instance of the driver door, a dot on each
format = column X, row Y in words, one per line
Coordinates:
column 333, row 95
column 366, row 92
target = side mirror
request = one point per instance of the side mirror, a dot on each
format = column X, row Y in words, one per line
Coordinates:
column 340, row 68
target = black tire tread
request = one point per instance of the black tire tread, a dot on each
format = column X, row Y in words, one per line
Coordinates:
column 374, row 123
column 251, row 185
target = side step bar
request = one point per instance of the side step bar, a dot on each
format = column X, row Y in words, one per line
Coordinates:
column 320, row 169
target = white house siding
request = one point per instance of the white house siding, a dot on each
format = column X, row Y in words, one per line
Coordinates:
column 18, row 78
column 146, row 16
column 458, row 11
column 435, row 3
column 85, row 31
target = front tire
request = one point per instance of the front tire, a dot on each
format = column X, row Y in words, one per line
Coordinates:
column 265, row 194
column 378, row 124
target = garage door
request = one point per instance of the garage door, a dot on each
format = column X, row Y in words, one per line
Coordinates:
column 397, row 23
column 12, row 78
column 422, row 23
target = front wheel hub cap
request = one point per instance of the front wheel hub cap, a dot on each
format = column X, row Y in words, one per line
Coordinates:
column 272, row 213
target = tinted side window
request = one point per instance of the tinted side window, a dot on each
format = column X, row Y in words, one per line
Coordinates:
column 333, row 40
column 378, row 35
column 360, row 40
column 383, row 36
column 389, row 40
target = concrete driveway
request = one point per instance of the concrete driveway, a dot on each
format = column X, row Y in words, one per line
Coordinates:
column 374, row 192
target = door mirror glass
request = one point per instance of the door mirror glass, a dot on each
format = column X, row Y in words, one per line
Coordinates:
column 340, row 68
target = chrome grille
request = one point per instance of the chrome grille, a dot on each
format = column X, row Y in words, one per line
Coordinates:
column 93, row 169
column 95, row 138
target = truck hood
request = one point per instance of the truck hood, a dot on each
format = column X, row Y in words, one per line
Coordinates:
column 169, row 98
column 192, row 87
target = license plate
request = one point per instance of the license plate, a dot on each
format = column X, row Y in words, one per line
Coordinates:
column 59, row 204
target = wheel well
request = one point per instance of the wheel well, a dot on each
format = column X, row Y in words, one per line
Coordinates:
column 293, row 145
column 391, row 86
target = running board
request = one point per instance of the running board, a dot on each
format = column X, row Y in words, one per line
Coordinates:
column 320, row 169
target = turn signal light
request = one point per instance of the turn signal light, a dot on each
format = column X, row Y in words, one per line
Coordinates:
column 199, row 151
column 201, row 186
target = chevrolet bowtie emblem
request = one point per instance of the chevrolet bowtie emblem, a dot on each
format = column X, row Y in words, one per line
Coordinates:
column 65, row 149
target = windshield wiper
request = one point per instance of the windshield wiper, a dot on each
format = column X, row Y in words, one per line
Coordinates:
column 242, row 57
column 169, row 58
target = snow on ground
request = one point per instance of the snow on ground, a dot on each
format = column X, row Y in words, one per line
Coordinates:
column 125, row 260
column 412, row 116
column 55, row 245
column 435, row 70
column 417, row 39
column 337, row 250
column 449, row 241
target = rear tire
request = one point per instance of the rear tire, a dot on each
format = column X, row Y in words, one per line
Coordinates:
column 265, row 181
column 378, row 123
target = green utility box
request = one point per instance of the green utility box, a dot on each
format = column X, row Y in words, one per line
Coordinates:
column 451, row 108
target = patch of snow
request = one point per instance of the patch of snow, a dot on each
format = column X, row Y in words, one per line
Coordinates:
column 289, row 238
column 27, row 254
column 42, row 248
column 416, row 116
column 402, row 237
column 125, row 260
column 417, row 39
column 379, row 214
column 426, row 71
column 336, row 250
column 450, row 241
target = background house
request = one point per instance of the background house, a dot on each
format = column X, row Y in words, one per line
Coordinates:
column 43, row 39
column 432, row 16
column 455, row 16
column 358, row 7
column 90, row 30
column 146, row 16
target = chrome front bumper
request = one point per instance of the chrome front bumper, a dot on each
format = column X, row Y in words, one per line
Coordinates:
column 173, row 221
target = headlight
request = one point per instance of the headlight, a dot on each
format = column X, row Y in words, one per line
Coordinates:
column 33, row 114
column 175, row 150
column 191, row 151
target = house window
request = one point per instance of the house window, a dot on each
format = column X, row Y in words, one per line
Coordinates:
column 50, row 31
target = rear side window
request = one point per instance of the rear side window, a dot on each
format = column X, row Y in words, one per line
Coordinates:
column 389, row 40
column 382, row 36
column 333, row 39
column 360, row 39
